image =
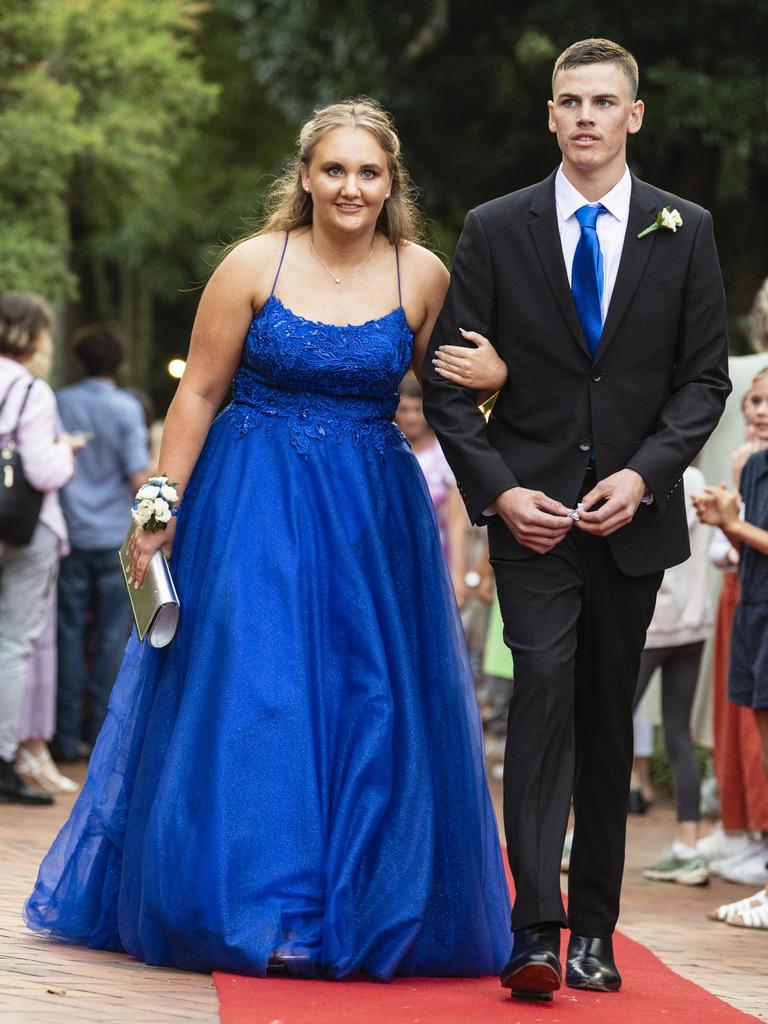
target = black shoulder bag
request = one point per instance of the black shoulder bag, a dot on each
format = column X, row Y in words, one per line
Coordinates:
column 19, row 502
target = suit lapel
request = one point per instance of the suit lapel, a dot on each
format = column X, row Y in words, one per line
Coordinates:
column 546, row 238
column 634, row 256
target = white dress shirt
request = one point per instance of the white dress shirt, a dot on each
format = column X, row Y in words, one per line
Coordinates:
column 611, row 230
column 611, row 226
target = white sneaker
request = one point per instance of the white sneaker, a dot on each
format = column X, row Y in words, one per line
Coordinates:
column 718, row 844
column 748, row 870
column 752, row 849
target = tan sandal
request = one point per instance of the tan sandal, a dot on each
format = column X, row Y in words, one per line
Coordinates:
column 728, row 911
column 43, row 772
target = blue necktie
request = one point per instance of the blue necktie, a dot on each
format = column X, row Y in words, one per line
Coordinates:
column 587, row 276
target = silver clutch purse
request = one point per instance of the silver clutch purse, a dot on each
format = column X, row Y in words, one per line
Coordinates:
column 155, row 604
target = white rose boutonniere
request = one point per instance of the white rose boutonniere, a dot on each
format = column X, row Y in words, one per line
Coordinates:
column 154, row 504
column 669, row 219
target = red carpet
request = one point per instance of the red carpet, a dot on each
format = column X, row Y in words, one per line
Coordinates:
column 651, row 994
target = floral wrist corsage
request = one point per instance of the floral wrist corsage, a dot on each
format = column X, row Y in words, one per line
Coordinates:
column 154, row 504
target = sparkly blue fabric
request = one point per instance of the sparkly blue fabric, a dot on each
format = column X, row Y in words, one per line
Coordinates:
column 301, row 770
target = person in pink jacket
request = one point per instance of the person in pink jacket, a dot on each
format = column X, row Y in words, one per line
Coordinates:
column 28, row 573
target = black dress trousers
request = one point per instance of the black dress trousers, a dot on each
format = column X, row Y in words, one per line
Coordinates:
column 576, row 627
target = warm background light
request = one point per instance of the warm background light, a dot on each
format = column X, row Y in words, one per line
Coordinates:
column 176, row 368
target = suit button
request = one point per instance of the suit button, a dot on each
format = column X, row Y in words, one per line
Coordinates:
column 585, row 445
column 596, row 378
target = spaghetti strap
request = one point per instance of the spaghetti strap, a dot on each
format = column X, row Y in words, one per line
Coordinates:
column 399, row 289
column 279, row 265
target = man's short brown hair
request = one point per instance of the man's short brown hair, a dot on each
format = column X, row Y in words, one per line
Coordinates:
column 599, row 51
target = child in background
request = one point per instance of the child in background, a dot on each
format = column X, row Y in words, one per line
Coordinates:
column 733, row 850
column 748, row 673
column 681, row 623
column 449, row 508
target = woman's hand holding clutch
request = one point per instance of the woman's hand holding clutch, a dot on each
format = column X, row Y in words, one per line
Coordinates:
column 479, row 368
column 142, row 546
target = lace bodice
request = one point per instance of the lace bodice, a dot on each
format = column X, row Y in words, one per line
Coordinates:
column 325, row 381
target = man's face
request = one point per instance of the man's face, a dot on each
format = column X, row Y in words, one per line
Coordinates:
column 592, row 113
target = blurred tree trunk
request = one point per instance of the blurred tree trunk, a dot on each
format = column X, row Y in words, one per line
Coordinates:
column 136, row 320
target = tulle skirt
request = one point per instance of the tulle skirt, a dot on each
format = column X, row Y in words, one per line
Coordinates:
column 301, row 771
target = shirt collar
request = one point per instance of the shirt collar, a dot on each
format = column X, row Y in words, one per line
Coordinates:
column 97, row 382
column 616, row 202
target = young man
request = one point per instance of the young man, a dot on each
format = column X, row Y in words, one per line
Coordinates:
column 97, row 509
column 616, row 348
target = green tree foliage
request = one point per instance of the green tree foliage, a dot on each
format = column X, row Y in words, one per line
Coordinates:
column 468, row 85
column 134, row 142
column 39, row 139
column 98, row 104
column 137, row 136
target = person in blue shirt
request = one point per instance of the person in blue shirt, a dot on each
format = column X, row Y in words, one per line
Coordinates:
column 96, row 506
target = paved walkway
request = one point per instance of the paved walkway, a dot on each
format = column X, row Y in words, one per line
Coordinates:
column 43, row 982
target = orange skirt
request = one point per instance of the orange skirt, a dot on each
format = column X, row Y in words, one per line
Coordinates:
column 740, row 780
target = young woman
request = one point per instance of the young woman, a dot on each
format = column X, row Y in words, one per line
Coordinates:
column 297, row 781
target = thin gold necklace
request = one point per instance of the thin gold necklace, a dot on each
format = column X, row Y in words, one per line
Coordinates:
column 344, row 277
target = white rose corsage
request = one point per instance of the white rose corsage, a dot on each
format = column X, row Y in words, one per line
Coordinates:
column 669, row 219
column 155, row 504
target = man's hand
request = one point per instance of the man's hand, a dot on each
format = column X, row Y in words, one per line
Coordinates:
column 622, row 493
column 533, row 519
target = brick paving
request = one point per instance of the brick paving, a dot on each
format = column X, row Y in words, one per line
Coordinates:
column 43, row 982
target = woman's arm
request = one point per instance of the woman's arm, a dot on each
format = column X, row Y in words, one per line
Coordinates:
column 428, row 279
column 221, row 324
column 47, row 454
column 480, row 368
column 238, row 286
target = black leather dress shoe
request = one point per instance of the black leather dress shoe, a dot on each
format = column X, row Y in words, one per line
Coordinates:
column 533, row 970
column 590, row 964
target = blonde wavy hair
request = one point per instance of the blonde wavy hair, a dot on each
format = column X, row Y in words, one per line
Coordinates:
column 287, row 206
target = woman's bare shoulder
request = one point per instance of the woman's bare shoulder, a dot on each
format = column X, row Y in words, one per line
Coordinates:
column 423, row 261
column 251, row 265
column 424, row 278
column 256, row 251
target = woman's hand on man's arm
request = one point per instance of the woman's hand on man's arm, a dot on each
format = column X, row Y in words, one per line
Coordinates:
column 479, row 368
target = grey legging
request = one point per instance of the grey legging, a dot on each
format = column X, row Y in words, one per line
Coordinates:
column 679, row 674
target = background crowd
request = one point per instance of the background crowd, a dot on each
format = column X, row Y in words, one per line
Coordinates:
column 133, row 139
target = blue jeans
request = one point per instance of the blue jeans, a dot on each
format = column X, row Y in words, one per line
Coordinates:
column 91, row 593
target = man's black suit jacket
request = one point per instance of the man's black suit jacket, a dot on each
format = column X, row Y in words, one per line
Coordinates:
column 649, row 399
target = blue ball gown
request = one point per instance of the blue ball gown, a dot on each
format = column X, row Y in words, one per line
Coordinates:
column 301, row 771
